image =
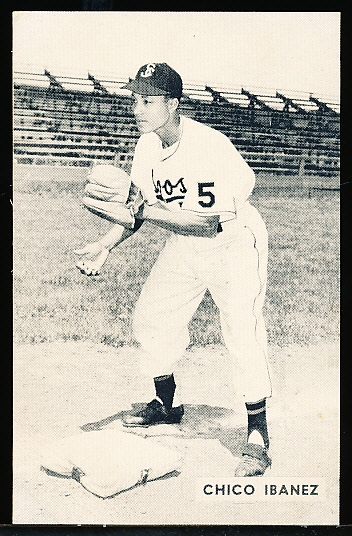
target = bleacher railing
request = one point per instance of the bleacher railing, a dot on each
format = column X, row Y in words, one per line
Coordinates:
column 75, row 121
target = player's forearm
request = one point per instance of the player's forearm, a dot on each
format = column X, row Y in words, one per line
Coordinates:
column 115, row 236
column 182, row 222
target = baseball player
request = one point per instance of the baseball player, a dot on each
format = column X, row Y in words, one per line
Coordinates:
column 196, row 184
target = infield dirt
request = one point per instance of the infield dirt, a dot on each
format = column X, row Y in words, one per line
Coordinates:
column 65, row 388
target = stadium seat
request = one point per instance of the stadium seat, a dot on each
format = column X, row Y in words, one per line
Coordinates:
column 272, row 132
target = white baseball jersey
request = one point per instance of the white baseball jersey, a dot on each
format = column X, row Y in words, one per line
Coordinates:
column 202, row 172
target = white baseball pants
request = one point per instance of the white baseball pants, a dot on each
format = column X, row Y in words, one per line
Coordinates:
column 233, row 268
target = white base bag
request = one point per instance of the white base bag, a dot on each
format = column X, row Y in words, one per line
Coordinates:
column 107, row 462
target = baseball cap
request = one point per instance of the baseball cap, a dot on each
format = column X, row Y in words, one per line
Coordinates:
column 156, row 79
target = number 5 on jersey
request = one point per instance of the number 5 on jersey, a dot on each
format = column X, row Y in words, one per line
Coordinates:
column 203, row 191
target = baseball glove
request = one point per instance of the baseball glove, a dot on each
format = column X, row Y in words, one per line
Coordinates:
column 111, row 195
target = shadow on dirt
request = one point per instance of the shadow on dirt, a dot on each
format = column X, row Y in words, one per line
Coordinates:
column 199, row 421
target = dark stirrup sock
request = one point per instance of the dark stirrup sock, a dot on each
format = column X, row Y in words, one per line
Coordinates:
column 256, row 412
column 165, row 389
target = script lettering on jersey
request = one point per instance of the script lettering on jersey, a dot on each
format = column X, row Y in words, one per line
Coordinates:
column 169, row 191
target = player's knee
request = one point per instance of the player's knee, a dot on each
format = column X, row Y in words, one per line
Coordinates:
column 136, row 323
column 141, row 324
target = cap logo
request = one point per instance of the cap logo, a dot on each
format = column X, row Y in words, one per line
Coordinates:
column 149, row 70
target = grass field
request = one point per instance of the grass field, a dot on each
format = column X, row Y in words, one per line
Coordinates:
column 53, row 301
column 66, row 381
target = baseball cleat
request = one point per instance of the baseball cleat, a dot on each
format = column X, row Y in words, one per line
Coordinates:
column 154, row 413
column 254, row 461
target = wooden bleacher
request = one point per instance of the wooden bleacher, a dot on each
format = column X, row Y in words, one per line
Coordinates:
column 76, row 120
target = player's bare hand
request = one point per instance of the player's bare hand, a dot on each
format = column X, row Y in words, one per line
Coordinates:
column 94, row 256
column 90, row 251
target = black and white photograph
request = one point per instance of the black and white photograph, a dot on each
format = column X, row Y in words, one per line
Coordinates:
column 176, row 290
